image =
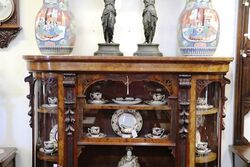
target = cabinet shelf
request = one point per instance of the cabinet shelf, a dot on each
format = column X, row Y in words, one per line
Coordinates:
column 47, row 111
column 47, row 157
column 207, row 112
column 206, row 158
column 126, row 107
column 127, row 141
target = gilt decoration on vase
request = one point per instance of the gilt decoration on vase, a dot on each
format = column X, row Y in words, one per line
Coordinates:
column 199, row 27
column 54, row 28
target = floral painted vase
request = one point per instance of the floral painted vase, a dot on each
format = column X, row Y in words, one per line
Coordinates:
column 199, row 27
column 54, row 29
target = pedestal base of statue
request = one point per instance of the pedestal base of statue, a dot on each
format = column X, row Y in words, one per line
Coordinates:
column 108, row 49
column 148, row 50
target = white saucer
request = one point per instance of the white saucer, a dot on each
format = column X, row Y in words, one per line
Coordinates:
column 204, row 107
column 49, row 106
column 154, row 102
column 127, row 100
column 100, row 135
column 47, row 151
column 97, row 101
column 203, row 152
column 150, row 135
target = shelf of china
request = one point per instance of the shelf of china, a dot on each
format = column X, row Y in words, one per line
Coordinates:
column 127, row 107
column 207, row 112
column 206, row 158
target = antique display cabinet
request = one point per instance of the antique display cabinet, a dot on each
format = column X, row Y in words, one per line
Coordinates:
column 92, row 111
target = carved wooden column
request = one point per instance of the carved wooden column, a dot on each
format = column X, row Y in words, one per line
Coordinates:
column 30, row 79
column 70, row 109
column 184, row 107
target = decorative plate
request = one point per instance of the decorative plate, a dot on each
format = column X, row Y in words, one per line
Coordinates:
column 124, row 122
column 127, row 100
column 53, row 135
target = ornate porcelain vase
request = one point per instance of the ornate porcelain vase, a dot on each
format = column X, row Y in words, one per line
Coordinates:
column 54, row 29
column 199, row 26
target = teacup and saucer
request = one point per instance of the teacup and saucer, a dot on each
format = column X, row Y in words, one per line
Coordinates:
column 158, row 99
column 94, row 131
column 49, row 147
column 157, row 133
column 202, row 148
column 96, row 98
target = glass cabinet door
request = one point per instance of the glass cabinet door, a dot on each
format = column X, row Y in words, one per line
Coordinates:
column 46, row 121
column 208, row 125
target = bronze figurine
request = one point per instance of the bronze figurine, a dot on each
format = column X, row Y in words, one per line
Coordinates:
column 149, row 20
column 108, row 20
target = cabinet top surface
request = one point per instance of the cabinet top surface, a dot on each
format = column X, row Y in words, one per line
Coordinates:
column 126, row 58
column 127, row 63
column 6, row 152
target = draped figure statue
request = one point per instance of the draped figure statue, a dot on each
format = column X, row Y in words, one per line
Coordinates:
column 149, row 20
column 108, row 20
column 129, row 160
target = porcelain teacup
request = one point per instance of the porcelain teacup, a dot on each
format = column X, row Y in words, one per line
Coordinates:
column 96, row 96
column 201, row 101
column 202, row 145
column 158, row 97
column 157, row 131
column 52, row 100
column 48, row 145
column 94, row 130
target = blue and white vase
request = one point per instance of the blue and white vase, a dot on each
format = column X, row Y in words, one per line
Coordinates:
column 199, row 27
column 54, row 29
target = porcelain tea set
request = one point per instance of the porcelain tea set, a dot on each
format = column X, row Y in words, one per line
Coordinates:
column 49, row 147
column 202, row 104
column 201, row 147
column 52, row 103
column 94, row 132
column 157, row 133
column 96, row 98
column 157, row 99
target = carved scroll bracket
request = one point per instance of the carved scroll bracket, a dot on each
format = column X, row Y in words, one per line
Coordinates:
column 225, row 81
column 7, row 35
column 201, row 84
column 184, row 104
column 30, row 79
column 69, row 83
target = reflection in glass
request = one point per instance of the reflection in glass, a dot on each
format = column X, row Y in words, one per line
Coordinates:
column 246, row 125
column 207, row 125
column 46, row 128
